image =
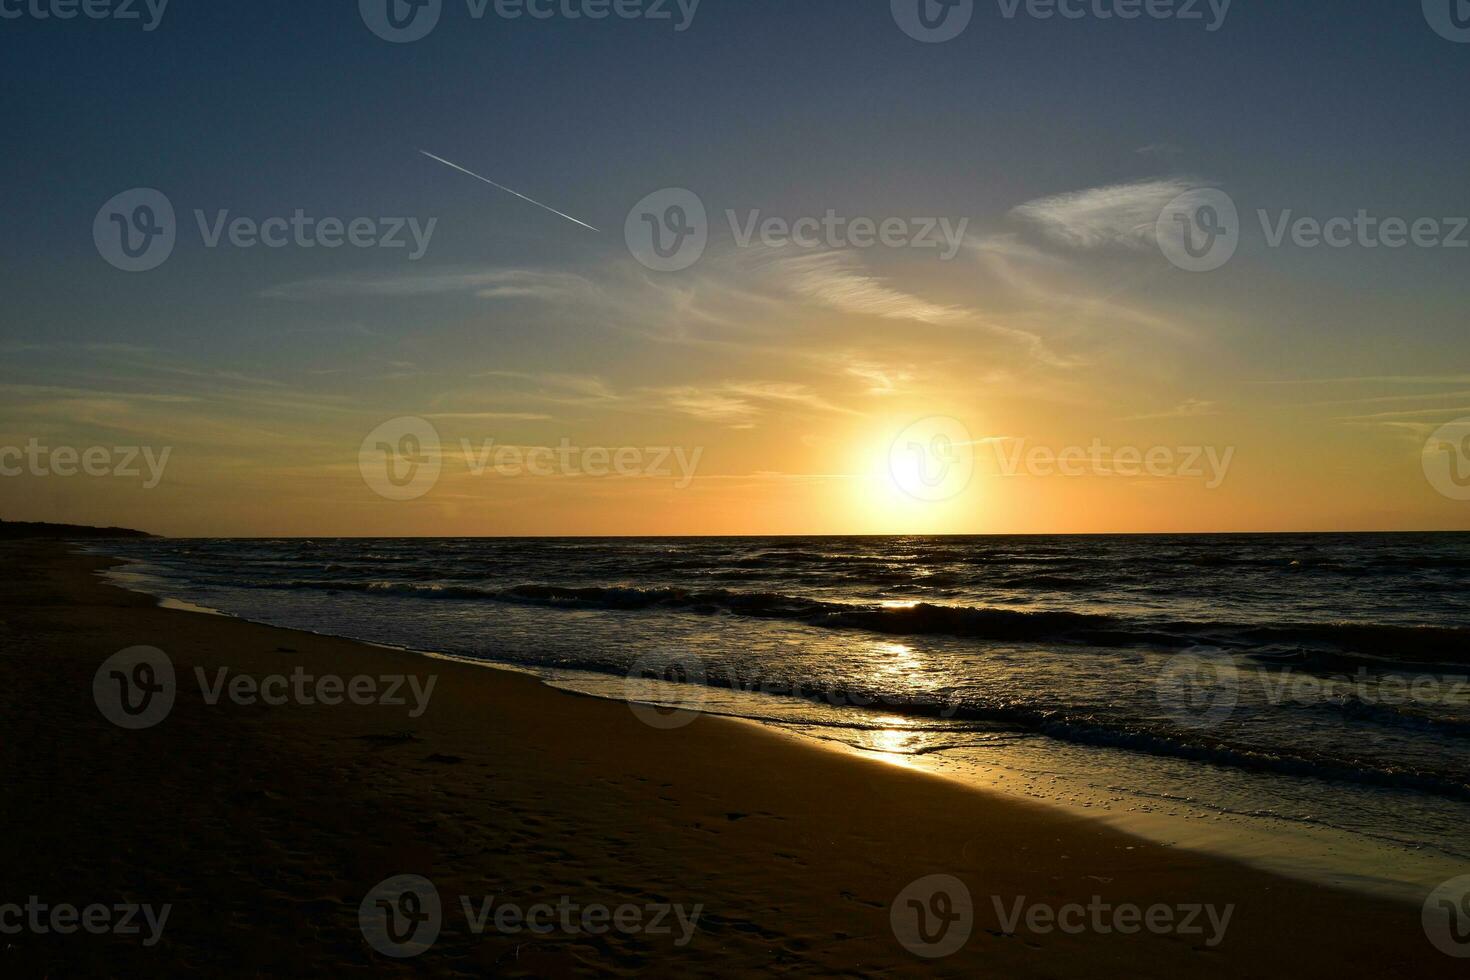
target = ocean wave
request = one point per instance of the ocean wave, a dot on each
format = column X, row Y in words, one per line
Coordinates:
column 1316, row 645
column 1078, row 724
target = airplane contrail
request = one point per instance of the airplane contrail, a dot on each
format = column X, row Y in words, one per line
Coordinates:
column 508, row 190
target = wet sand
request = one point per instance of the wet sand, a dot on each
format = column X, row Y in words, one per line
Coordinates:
column 265, row 826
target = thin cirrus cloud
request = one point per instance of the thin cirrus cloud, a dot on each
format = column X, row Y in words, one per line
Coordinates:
column 554, row 386
column 486, row 283
column 879, row 379
column 1190, row 408
column 1123, row 215
column 740, row 403
column 830, row 279
column 836, row 280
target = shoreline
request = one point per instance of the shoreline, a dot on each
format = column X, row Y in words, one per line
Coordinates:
column 266, row 826
column 1157, row 798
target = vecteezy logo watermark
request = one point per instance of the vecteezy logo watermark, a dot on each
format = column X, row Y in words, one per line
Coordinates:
column 122, row 919
column 114, row 461
column 1199, row 689
column 933, row 917
column 933, row 459
column 1446, row 459
column 668, row 230
column 1446, row 917
column 666, row 691
column 1449, row 18
column 137, row 230
column 1104, row 918
column 91, row 9
column 399, row 460
column 933, row 21
column 135, row 688
column 1199, row 230
column 401, row 916
column 403, row 21
column 1208, row 463
column 402, row 459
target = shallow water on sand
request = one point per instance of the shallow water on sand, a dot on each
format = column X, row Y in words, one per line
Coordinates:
column 1299, row 700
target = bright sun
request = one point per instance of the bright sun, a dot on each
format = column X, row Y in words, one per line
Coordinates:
column 918, row 478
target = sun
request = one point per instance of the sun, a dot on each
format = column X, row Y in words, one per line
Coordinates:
column 917, row 477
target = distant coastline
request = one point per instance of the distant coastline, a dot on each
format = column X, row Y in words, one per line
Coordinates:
column 18, row 530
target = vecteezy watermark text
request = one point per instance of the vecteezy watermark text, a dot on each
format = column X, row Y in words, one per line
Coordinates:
column 934, row 916
column 834, row 231
column 1200, row 230
column 669, row 230
column 566, row 459
column 936, row 21
column 123, row 10
column 121, row 919
column 402, row 917
column 403, row 458
column 1208, row 463
column 137, row 231
column 1211, row 13
column 405, row 21
column 137, row 688
column 1202, row 688
column 1363, row 230
column 35, row 459
column 669, row 690
column 1105, row 918
column 300, row 687
column 571, row 917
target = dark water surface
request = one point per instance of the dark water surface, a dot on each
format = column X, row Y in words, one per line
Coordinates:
column 1314, row 679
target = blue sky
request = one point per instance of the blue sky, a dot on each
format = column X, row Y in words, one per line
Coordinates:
column 791, row 108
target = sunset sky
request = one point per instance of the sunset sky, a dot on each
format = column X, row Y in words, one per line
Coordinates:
column 790, row 370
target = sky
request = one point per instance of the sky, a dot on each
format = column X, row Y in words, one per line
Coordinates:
column 975, row 312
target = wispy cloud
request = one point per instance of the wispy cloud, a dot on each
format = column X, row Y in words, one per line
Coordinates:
column 712, row 406
column 880, row 379
column 1160, row 150
column 838, row 281
column 1117, row 215
column 1190, row 408
column 741, row 403
column 1389, row 379
column 558, row 386
column 1440, row 414
column 1049, row 284
column 490, row 416
column 486, row 283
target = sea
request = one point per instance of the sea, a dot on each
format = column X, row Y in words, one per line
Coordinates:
column 1296, row 701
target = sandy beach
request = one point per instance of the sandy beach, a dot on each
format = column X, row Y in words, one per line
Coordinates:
column 264, row 827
